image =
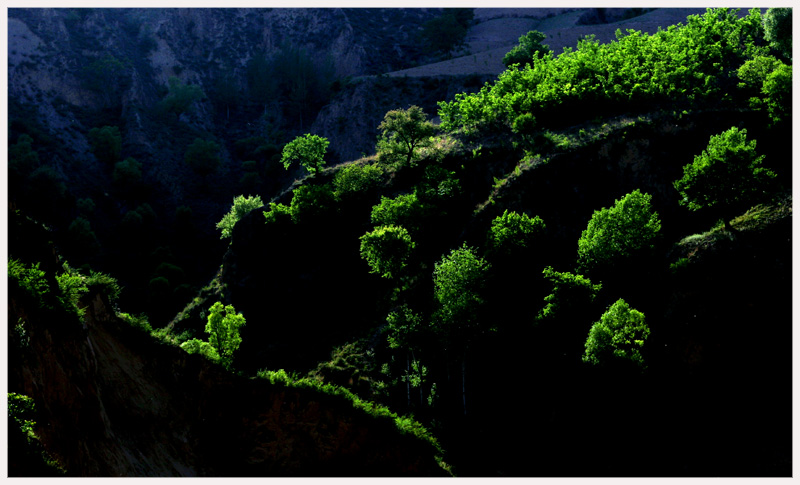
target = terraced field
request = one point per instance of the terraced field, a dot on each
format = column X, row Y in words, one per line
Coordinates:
column 497, row 31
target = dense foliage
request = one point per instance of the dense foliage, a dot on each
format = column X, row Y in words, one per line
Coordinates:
column 387, row 249
column 619, row 232
column 572, row 293
column 403, row 132
column 727, row 176
column 356, row 261
column 307, row 150
column 778, row 30
column 620, row 333
column 695, row 62
column 241, row 207
column 530, row 46
column 459, row 280
column 223, row 329
column 512, row 232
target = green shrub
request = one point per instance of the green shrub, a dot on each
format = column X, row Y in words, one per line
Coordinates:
column 620, row 334
column 686, row 63
column 197, row 346
column 31, row 279
column 512, row 232
column 404, row 424
column 404, row 210
column 106, row 143
column 778, row 30
column 278, row 214
column 202, row 156
column 570, row 292
column 403, row 134
column 127, row 176
column 530, row 46
column 136, row 321
column 72, row 286
column 308, row 150
column 356, row 179
column 619, row 232
column 241, row 207
column 27, row 456
column 726, row 177
column 312, row 203
column 387, row 250
column 104, row 284
column 223, row 327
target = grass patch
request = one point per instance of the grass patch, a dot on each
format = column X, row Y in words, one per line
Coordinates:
column 404, row 424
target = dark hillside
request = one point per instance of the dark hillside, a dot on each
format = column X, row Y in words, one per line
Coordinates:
column 579, row 267
column 113, row 401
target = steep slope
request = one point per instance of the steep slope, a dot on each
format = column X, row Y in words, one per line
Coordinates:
column 112, row 401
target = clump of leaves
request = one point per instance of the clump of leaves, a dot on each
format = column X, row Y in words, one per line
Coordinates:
column 27, row 457
column 513, row 231
column 355, row 179
column 620, row 334
column 726, row 176
column 241, row 207
column 387, row 250
column 619, row 232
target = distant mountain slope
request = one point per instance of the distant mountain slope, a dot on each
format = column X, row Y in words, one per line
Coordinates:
column 489, row 40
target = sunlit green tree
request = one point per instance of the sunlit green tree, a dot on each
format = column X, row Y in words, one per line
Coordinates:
column 307, row 150
column 403, row 133
column 387, row 250
column 459, row 282
column 512, row 232
column 778, row 29
column 223, row 329
column 530, row 46
column 619, row 335
column 241, row 207
column 616, row 233
column 726, row 177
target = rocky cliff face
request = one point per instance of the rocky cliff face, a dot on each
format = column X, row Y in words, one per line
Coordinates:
column 84, row 68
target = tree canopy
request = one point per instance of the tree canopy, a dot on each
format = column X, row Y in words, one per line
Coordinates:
column 620, row 334
column 241, row 207
column 308, row 150
column 223, row 327
column 572, row 293
column 446, row 32
column 530, row 46
column 686, row 63
column 778, row 30
column 459, row 280
column 403, row 131
column 726, row 176
column 387, row 249
column 618, row 232
column 513, row 232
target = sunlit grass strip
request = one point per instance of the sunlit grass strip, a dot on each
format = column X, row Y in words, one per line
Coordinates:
column 405, row 424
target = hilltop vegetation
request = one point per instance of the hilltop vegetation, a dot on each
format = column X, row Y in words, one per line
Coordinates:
column 570, row 268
